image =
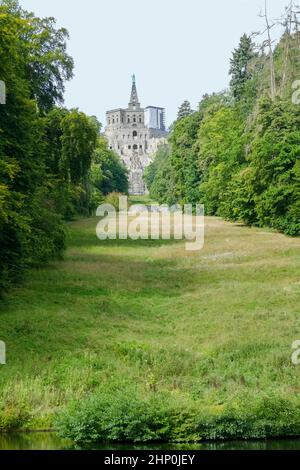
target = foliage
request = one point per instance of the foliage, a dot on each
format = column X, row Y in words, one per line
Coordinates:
column 240, row 67
column 46, row 64
column 165, row 343
column 21, row 154
column 115, row 417
column 48, row 167
column 151, row 170
column 113, row 199
column 220, row 142
column 184, row 150
column 158, row 176
column 239, row 153
column 125, row 416
column 78, row 140
column 275, row 162
column 108, row 172
column 173, row 176
column 184, row 110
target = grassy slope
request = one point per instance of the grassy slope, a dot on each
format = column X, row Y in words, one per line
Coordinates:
column 209, row 326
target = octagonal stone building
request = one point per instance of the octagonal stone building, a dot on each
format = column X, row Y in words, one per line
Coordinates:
column 135, row 133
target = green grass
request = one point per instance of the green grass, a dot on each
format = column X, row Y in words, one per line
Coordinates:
column 210, row 329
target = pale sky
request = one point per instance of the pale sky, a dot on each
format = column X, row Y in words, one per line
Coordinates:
column 178, row 49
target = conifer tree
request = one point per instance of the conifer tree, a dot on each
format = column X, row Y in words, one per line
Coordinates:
column 184, row 110
column 240, row 69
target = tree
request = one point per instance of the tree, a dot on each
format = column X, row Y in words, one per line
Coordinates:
column 161, row 155
column 78, row 143
column 184, row 110
column 240, row 66
column 163, row 183
column 221, row 154
column 286, row 54
column 46, row 61
column 274, row 160
column 79, row 138
column 183, row 140
column 269, row 44
column 109, row 173
column 26, row 202
column 54, row 131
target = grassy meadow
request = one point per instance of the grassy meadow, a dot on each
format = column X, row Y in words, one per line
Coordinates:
column 204, row 335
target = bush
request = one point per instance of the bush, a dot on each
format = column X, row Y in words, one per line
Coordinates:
column 113, row 199
column 125, row 416
column 115, row 417
column 13, row 418
column 47, row 237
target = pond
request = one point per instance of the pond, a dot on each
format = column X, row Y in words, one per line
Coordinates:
column 50, row 441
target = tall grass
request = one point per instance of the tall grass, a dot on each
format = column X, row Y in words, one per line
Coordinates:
column 201, row 341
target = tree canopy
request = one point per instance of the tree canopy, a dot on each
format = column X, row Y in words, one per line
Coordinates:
column 48, row 154
column 239, row 153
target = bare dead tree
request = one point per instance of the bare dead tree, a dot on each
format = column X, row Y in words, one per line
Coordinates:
column 287, row 23
column 269, row 43
column 295, row 30
column 290, row 22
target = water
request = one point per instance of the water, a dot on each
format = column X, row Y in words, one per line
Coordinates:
column 50, row 441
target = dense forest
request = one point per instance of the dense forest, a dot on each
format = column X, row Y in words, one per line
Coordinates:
column 239, row 153
column 54, row 163
column 138, row 341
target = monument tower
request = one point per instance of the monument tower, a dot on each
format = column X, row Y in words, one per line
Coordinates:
column 135, row 134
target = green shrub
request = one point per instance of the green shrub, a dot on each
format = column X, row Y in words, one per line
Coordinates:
column 47, row 239
column 13, row 418
column 124, row 416
column 113, row 199
column 115, row 417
